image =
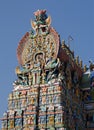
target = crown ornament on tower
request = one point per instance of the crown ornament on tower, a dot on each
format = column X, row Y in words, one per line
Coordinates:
column 40, row 12
column 41, row 23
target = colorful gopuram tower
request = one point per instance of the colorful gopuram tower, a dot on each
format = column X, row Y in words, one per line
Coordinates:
column 47, row 93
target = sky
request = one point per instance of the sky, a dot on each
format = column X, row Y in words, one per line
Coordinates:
column 69, row 17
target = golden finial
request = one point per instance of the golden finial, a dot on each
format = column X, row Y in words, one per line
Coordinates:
column 81, row 63
column 85, row 68
column 77, row 60
column 63, row 44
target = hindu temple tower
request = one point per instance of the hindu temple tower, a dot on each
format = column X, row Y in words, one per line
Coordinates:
column 47, row 94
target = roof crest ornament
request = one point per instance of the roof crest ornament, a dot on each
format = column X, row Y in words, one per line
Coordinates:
column 41, row 23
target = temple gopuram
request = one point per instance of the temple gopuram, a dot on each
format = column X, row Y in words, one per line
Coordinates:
column 53, row 91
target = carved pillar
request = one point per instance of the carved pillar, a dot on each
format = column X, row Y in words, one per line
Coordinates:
column 33, row 75
column 30, row 78
column 38, row 76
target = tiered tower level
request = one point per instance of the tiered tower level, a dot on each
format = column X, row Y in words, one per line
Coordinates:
column 46, row 94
